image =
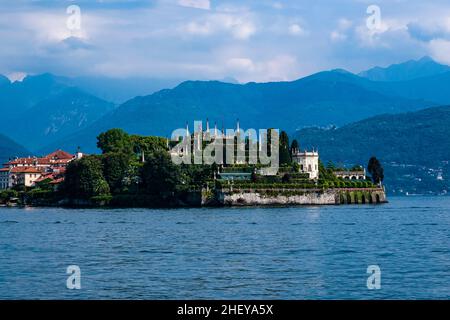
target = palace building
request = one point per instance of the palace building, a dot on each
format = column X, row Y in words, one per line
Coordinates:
column 308, row 162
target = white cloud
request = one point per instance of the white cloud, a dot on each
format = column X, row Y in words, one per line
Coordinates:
column 278, row 68
column 440, row 50
column 240, row 27
column 296, row 30
column 16, row 76
column 197, row 4
column 344, row 24
column 340, row 33
column 243, row 30
column 336, row 36
column 241, row 64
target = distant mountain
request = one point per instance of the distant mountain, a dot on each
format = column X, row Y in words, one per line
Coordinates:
column 10, row 149
column 19, row 96
column 119, row 90
column 414, row 147
column 432, row 88
column 55, row 117
column 335, row 97
column 409, row 70
column 42, row 109
column 4, row 80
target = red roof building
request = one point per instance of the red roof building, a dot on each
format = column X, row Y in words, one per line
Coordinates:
column 28, row 171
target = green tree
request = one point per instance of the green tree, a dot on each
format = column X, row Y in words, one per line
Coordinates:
column 286, row 178
column 159, row 174
column 115, row 168
column 285, row 155
column 326, row 173
column 84, row 178
column 115, row 140
column 331, row 165
column 148, row 144
column 376, row 170
column 295, row 146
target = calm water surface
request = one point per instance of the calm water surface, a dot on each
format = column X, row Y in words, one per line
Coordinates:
column 229, row 253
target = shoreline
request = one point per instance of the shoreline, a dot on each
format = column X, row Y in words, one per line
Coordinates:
column 220, row 198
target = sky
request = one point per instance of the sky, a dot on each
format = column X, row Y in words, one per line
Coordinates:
column 246, row 40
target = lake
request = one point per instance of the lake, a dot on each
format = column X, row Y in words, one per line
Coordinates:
column 229, row 253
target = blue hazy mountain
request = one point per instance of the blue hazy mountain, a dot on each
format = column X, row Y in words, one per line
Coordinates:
column 327, row 98
column 41, row 109
column 4, row 81
column 18, row 96
column 10, row 149
column 409, row 70
column 119, row 90
column 414, row 147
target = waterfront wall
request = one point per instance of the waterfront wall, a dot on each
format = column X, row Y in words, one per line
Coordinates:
column 249, row 197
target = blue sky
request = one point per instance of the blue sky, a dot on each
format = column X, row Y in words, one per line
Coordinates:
column 254, row 40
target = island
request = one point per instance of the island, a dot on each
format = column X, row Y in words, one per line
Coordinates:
column 142, row 171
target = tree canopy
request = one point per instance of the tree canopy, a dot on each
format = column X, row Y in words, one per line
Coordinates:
column 376, row 170
column 285, row 155
column 84, row 178
column 115, row 140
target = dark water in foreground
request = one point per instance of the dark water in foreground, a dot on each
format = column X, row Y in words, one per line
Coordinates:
column 262, row 253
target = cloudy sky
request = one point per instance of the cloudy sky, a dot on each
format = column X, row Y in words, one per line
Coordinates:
column 249, row 40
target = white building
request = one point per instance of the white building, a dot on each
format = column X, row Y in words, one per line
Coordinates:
column 308, row 162
column 21, row 175
column 351, row 174
column 4, row 179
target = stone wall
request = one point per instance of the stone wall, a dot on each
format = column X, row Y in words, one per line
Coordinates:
column 300, row 197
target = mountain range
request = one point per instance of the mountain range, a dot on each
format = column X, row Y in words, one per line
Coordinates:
column 41, row 109
column 9, row 148
column 47, row 112
column 323, row 99
column 412, row 69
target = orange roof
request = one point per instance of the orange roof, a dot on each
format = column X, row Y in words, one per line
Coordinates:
column 60, row 155
column 22, row 161
column 57, row 157
column 25, row 170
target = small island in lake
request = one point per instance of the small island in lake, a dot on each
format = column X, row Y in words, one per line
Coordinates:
column 141, row 171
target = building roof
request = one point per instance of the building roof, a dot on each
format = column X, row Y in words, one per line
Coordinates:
column 56, row 157
column 25, row 170
column 60, row 155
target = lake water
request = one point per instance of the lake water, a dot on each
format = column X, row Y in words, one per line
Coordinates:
column 229, row 253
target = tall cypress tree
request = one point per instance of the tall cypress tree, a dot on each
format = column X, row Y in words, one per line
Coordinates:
column 376, row 170
column 285, row 155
